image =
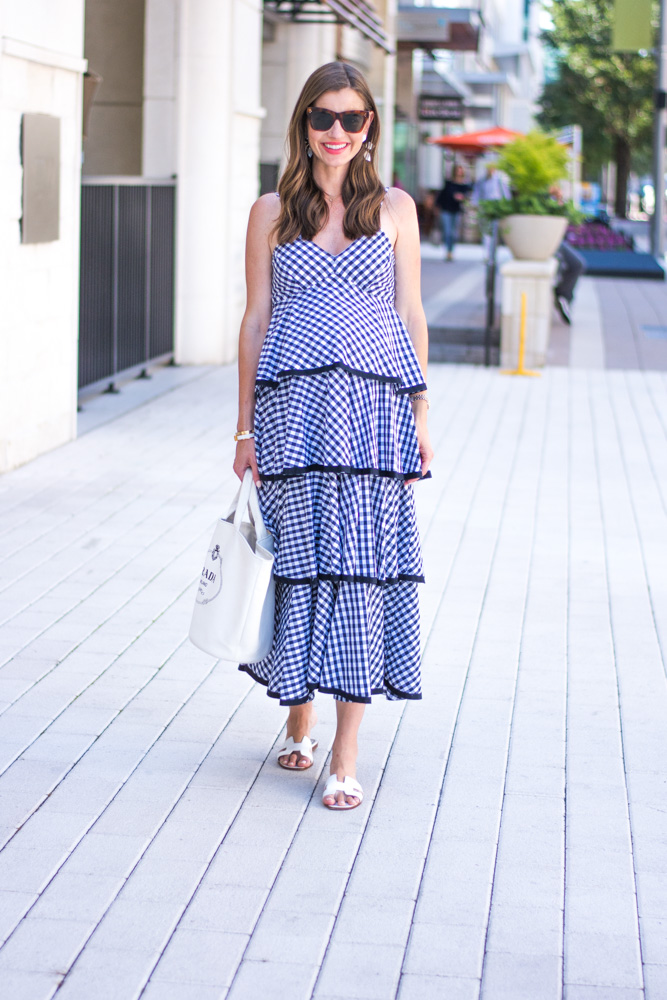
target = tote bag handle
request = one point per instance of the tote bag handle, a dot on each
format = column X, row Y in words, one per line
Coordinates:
column 246, row 500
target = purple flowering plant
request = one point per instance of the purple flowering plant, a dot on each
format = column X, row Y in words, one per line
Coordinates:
column 592, row 235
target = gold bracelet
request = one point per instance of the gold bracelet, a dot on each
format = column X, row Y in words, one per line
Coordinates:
column 244, row 435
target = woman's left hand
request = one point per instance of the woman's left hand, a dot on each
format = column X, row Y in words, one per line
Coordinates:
column 425, row 449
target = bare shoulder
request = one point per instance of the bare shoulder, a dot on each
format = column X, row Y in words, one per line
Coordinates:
column 400, row 204
column 401, row 219
column 265, row 212
column 263, row 217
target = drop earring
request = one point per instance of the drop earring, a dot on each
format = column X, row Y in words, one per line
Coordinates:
column 367, row 152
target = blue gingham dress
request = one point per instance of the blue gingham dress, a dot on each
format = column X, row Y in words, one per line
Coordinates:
column 335, row 440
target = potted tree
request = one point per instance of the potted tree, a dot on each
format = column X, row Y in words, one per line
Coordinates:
column 533, row 221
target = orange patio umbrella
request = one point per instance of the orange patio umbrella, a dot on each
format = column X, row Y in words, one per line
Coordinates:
column 476, row 143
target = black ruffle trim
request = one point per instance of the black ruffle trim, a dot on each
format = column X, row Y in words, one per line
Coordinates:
column 349, row 578
column 291, row 372
column 303, row 470
column 246, row 668
column 422, row 387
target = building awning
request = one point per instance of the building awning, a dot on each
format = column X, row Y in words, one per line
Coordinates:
column 455, row 28
column 476, row 143
column 359, row 14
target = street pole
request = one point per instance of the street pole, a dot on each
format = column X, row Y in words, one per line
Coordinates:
column 659, row 136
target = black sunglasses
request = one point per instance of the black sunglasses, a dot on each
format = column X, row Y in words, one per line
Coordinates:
column 321, row 119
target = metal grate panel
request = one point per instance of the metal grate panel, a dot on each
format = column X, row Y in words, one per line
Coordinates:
column 132, row 270
column 161, row 306
column 96, row 322
column 127, row 277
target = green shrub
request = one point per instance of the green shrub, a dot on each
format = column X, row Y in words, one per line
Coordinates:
column 533, row 163
column 535, row 204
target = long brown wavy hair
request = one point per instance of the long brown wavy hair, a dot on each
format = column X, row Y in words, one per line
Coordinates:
column 303, row 207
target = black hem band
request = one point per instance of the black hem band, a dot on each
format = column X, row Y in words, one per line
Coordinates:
column 338, row 365
column 403, row 694
column 349, row 578
column 422, row 387
column 303, row 470
column 246, row 668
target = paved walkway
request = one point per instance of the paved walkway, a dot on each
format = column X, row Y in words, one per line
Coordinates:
column 513, row 840
column 616, row 323
column 455, row 303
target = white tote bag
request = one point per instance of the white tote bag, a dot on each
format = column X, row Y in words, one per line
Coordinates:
column 233, row 614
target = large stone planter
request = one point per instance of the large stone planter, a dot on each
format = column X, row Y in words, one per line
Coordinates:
column 533, row 237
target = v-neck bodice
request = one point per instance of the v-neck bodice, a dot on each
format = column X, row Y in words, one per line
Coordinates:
column 337, row 310
column 340, row 253
column 367, row 263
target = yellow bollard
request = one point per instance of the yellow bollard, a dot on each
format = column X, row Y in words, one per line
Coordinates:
column 520, row 370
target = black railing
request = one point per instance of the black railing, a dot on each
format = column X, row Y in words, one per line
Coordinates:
column 127, row 276
column 490, row 325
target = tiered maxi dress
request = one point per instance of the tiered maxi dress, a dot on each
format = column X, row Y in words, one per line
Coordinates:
column 335, row 439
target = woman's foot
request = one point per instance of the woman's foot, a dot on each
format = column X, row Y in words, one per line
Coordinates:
column 352, row 793
column 344, row 751
column 343, row 765
column 300, row 721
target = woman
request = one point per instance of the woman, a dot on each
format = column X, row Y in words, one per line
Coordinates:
column 332, row 421
column 450, row 202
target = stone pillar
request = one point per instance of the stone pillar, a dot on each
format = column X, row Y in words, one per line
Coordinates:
column 536, row 279
column 219, row 117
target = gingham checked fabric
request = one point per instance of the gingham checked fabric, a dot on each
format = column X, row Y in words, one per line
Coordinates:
column 330, row 525
column 352, row 640
column 335, row 440
column 337, row 311
column 335, row 420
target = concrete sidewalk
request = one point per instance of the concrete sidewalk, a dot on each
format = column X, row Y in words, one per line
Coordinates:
column 513, row 841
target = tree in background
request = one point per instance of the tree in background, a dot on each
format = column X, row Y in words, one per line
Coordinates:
column 610, row 94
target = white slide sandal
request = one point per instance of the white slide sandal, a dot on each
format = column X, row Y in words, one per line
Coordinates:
column 304, row 749
column 349, row 787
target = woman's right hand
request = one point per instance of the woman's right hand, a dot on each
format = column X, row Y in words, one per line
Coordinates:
column 246, row 458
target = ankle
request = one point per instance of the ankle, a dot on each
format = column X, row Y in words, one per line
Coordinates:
column 300, row 721
column 344, row 761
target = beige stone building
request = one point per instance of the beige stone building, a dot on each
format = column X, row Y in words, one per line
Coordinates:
column 185, row 105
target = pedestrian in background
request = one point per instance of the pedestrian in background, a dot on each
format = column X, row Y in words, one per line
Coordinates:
column 492, row 186
column 428, row 216
column 332, row 421
column 450, row 201
column 571, row 266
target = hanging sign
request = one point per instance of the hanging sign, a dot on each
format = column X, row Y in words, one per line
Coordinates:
column 437, row 108
column 632, row 28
